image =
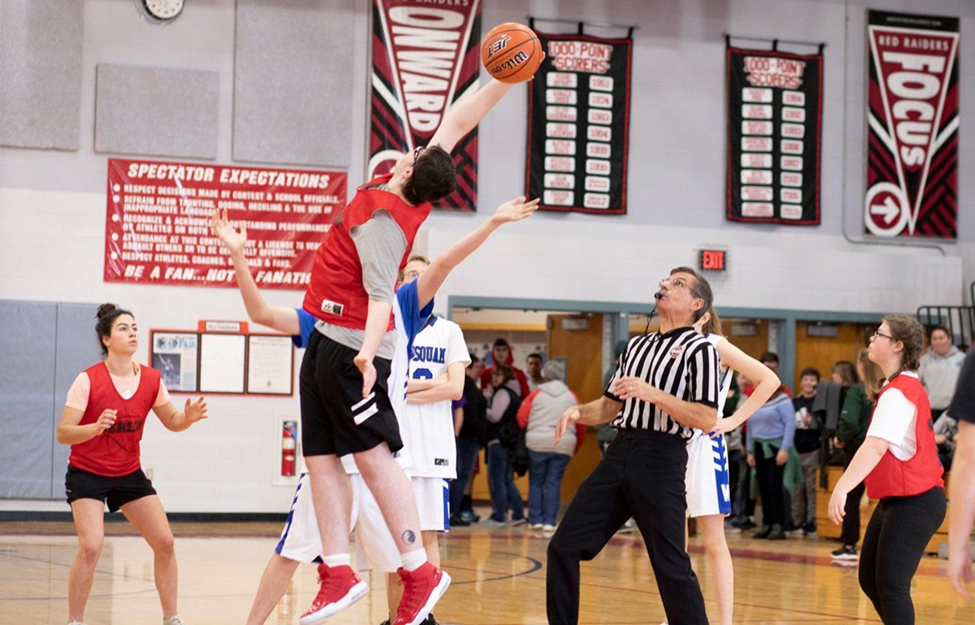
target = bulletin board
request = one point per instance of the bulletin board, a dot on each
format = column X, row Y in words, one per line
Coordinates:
column 223, row 358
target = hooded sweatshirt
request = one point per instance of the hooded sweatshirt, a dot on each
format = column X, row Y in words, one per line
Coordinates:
column 939, row 375
column 540, row 413
column 520, row 376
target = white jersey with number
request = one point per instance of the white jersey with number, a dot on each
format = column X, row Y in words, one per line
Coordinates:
column 408, row 319
column 430, row 427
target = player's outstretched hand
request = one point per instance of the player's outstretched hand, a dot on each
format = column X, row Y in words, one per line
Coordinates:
column 235, row 241
column 515, row 210
column 368, row 371
column 195, row 410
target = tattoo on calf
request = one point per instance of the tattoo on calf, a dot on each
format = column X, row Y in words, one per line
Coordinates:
column 409, row 537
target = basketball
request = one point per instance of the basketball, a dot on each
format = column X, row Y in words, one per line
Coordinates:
column 511, row 53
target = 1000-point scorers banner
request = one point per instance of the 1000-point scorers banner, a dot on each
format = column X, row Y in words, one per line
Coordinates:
column 775, row 103
column 578, row 124
column 158, row 222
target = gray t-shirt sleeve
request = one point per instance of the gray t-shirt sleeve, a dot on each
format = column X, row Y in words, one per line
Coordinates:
column 381, row 245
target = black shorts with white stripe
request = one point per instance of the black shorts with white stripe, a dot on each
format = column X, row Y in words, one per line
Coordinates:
column 335, row 418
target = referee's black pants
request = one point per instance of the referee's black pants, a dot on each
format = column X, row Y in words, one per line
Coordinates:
column 641, row 475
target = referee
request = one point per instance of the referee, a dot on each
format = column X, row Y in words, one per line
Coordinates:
column 666, row 385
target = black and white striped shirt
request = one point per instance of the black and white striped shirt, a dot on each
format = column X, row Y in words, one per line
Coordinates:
column 682, row 363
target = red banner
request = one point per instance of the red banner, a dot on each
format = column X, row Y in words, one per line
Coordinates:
column 158, row 222
column 424, row 59
column 912, row 140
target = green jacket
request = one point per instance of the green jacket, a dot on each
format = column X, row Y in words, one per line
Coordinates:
column 855, row 417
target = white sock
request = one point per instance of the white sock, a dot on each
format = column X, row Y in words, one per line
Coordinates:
column 341, row 559
column 414, row 559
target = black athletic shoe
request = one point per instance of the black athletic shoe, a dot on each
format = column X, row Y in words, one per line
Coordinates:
column 459, row 521
column 764, row 532
column 845, row 553
column 429, row 620
column 777, row 533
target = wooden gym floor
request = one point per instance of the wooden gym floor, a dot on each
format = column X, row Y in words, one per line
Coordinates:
column 499, row 579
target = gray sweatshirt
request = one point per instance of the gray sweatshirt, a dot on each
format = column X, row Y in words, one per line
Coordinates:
column 547, row 405
column 939, row 375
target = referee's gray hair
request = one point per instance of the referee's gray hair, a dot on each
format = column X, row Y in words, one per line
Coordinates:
column 700, row 289
column 553, row 370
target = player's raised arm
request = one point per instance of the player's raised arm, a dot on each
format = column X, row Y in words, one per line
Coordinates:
column 280, row 318
column 765, row 380
column 464, row 116
column 432, row 279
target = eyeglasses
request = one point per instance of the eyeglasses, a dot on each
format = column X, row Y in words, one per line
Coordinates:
column 880, row 334
column 680, row 283
column 416, row 153
column 411, row 275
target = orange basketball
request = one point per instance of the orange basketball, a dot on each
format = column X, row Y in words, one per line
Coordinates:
column 511, row 53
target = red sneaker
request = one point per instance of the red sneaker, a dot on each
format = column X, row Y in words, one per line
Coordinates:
column 421, row 590
column 340, row 588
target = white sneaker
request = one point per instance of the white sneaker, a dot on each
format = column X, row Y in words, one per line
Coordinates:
column 548, row 528
column 536, row 526
column 76, row 623
column 627, row 528
column 174, row 620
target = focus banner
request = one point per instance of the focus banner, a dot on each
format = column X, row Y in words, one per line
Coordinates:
column 425, row 57
column 775, row 103
column 158, row 222
column 912, row 136
column 578, row 124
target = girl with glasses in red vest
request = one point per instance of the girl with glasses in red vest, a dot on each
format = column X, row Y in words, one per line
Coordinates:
column 898, row 461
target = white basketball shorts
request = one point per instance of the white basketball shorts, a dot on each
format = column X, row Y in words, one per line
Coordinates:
column 708, row 491
column 301, row 541
column 432, row 502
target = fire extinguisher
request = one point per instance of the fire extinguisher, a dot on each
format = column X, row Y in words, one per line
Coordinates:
column 287, row 452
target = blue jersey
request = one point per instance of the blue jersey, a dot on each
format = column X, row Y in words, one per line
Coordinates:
column 413, row 317
column 306, row 321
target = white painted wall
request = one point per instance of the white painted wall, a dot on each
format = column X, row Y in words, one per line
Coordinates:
column 52, row 204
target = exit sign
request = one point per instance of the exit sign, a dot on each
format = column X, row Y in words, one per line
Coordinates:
column 713, row 260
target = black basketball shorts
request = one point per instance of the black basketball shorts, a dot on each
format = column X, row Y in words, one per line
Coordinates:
column 335, row 418
column 118, row 491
